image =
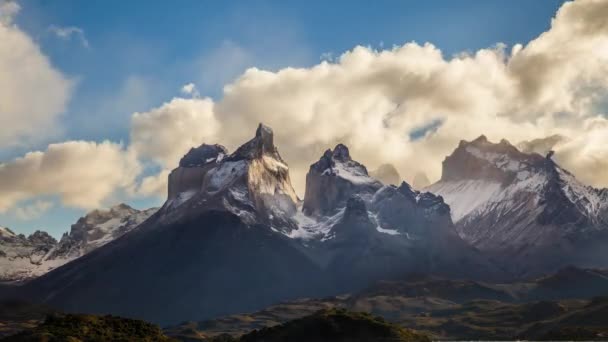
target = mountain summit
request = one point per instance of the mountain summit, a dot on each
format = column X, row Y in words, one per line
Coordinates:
column 523, row 206
column 253, row 182
column 232, row 237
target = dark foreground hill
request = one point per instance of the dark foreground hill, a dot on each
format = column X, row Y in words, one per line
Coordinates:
column 74, row 328
column 335, row 325
column 558, row 306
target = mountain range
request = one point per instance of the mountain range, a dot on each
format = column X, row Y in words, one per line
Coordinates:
column 23, row 258
column 233, row 236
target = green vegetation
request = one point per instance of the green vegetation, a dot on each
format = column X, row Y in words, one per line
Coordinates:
column 76, row 328
column 333, row 325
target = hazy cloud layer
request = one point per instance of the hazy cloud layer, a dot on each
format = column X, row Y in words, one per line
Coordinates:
column 377, row 102
column 70, row 32
column 34, row 210
column 33, row 93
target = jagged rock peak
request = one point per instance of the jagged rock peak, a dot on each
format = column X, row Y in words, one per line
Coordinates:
column 333, row 179
column 41, row 238
column 261, row 144
column 482, row 159
column 202, row 155
column 341, row 153
column 480, row 140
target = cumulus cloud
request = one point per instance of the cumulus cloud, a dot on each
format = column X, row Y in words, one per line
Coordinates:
column 70, row 32
column 381, row 103
column 190, row 89
column 8, row 10
column 164, row 134
column 83, row 174
column 375, row 100
column 33, row 92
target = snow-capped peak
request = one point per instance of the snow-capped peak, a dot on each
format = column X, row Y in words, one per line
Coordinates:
column 252, row 182
column 503, row 198
column 333, row 179
column 23, row 258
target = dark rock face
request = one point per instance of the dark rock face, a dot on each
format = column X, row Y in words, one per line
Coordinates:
column 409, row 211
column 202, row 155
column 41, row 238
column 333, row 179
column 198, row 268
column 263, row 143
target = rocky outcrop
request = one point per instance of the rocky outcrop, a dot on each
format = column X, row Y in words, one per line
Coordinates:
column 20, row 255
column 188, row 177
column 333, row 179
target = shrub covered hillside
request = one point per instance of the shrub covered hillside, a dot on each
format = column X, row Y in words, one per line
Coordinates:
column 76, row 328
column 333, row 325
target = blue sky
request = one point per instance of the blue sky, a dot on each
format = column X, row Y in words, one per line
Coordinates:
column 135, row 55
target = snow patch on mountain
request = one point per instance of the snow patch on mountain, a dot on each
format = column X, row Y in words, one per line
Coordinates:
column 350, row 172
column 24, row 258
column 314, row 227
column 581, row 195
column 465, row 196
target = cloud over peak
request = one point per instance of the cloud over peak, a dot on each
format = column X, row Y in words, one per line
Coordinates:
column 409, row 106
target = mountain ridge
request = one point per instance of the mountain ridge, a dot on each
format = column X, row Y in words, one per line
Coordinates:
column 518, row 205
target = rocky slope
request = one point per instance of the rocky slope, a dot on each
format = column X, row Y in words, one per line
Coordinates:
column 23, row 258
column 523, row 208
column 233, row 236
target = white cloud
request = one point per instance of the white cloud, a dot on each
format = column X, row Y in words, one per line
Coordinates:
column 369, row 99
column 69, row 32
column 373, row 99
column 155, row 185
column 190, row 89
column 166, row 133
column 33, row 93
column 83, row 174
column 8, row 10
column 32, row 211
